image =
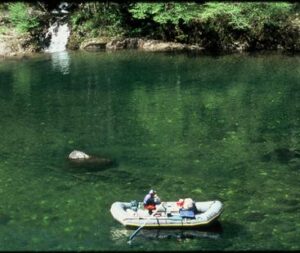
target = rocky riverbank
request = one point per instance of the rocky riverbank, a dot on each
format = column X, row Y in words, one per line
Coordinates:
column 86, row 33
column 20, row 45
column 135, row 43
column 14, row 44
column 287, row 38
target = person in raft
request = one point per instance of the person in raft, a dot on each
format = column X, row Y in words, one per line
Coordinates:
column 151, row 200
column 186, row 204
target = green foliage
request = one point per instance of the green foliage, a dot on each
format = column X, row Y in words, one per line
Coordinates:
column 165, row 19
column 97, row 19
column 21, row 17
column 239, row 15
column 218, row 23
column 245, row 15
column 163, row 13
column 223, row 21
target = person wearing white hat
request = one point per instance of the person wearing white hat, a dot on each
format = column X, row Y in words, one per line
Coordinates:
column 151, row 200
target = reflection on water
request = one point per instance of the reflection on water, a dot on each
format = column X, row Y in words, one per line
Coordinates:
column 211, row 232
column 61, row 62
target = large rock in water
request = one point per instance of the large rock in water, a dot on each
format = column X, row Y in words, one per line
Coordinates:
column 78, row 155
column 79, row 159
column 94, row 44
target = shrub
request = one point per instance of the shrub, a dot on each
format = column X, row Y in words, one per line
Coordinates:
column 21, row 17
column 97, row 19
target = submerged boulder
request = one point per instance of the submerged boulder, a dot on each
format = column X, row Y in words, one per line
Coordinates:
column 289, row 156
column 81, row 160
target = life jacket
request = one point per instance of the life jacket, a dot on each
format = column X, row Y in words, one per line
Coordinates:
column 180, row 203
column 150, row 207
column 186, row 204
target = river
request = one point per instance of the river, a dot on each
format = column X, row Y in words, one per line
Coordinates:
column 200, row 126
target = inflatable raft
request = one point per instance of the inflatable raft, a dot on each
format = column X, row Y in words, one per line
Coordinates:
column 167, row 214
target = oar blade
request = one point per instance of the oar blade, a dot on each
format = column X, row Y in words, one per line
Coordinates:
column 135, row 232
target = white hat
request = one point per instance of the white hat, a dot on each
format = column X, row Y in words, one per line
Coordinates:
column 151, row 191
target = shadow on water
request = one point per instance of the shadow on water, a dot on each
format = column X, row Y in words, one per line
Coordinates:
column 91, row 165
column 212, row 231
column 94, row 163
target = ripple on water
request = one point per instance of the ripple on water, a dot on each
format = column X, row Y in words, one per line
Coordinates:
column 255, row 216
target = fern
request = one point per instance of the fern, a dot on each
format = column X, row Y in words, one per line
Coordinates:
column 20, row 17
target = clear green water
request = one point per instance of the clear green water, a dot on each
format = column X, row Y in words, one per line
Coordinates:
column 203, row 127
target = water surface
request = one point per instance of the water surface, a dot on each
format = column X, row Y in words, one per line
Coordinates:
column 205, row 127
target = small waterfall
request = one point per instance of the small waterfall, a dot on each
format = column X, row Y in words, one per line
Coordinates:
column 59, row 30
column 57, row 48
column 59, row 33
column 59, row 37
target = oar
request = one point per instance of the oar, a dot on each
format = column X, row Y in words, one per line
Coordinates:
column 138, row 230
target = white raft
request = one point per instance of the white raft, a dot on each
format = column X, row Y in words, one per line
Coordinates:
column 167, row 214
